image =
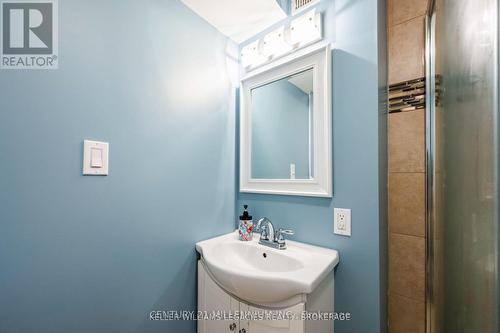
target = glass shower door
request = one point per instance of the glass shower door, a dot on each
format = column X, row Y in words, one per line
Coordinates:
column 462, row 162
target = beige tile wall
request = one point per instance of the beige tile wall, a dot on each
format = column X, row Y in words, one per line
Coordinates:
column 407, row 204
column 406, row 315
column 407, row 141
column 407, row 266
column 406, row 173
column 406, row 50
column 400, row 11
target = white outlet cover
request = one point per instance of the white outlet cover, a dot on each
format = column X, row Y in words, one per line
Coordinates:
column 342, row 221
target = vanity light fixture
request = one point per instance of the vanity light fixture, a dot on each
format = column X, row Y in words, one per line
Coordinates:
column 251, row 55
column 275, row 43
column 306, row 29
column 302, row 31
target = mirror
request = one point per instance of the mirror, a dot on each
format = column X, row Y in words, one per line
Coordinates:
column 285, row 126
column 281, row 128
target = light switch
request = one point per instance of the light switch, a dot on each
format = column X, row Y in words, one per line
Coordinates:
column 95, row 158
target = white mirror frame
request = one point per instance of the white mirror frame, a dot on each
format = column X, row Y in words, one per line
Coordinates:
column 317, row 57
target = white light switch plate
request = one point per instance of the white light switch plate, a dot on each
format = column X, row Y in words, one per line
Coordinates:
column 95, row 158
column 342, row 221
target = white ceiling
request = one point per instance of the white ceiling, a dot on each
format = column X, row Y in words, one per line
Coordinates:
column 238, row 19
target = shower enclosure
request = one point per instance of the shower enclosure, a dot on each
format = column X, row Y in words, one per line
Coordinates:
column 462, row 166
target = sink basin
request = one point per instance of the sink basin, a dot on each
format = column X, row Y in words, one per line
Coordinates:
column 262, row 275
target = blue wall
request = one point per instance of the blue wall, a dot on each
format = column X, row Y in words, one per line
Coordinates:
column 357, row 33
column 280, row 131
column 97, row 254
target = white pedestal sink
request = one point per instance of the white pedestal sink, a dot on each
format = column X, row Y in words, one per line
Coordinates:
column 236, row 275
column 263, row 275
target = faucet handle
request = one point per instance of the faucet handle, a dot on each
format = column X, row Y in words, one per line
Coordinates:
column 279, row 235
column 286, row 232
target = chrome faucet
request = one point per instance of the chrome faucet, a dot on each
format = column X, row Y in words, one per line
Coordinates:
column 269, row 237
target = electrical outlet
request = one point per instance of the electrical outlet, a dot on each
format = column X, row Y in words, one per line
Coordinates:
column 342, row 221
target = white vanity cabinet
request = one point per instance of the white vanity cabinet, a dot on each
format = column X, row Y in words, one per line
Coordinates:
column 213, row 299
column 274, row 326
